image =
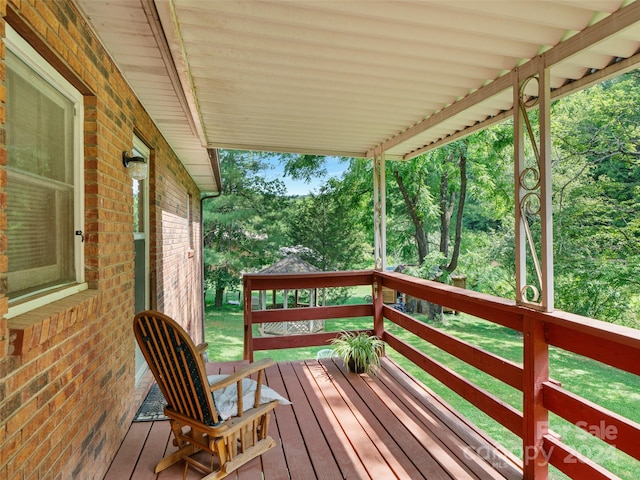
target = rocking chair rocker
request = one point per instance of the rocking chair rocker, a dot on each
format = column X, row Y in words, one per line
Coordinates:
column 197, row 425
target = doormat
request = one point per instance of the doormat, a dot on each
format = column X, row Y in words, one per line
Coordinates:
column 152, row 409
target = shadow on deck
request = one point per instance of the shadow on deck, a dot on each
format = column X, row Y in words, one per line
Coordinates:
column 343, row 425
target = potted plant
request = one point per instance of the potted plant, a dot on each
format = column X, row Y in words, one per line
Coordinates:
column 359, row 351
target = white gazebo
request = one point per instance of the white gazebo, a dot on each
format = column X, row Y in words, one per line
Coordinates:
column 289, row 264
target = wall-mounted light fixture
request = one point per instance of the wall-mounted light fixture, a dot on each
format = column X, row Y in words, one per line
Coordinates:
column 136, row 166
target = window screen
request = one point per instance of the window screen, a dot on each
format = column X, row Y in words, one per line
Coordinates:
column 40, row 181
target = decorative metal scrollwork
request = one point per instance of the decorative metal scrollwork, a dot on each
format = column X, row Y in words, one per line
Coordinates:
column 529, row 198
column 530, row 204
column 377, row 212
column 535, row 293
column 530, row 179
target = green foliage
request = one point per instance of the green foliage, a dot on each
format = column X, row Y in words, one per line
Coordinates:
column 221, row 277
column 487, row 261
column 471, row 177
column 303, row 167
column 338, row 295
column 490, row 179
column 596, row 200
column 254, row 223
column 332, row 240
column 430, row 269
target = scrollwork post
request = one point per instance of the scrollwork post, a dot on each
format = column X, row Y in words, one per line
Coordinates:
column 532, row 174
column 379, row 211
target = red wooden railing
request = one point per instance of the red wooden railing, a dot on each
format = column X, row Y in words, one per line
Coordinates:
column 610, row 344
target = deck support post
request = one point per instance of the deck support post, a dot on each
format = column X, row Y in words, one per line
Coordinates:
column 248, row 321
column 535, row 415
column 379, row 211
column 378, row 319
column 532, row 172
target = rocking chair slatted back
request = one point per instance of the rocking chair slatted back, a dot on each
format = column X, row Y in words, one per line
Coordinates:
column 177, row 366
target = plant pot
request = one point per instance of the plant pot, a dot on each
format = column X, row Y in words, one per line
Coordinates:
column 351, row 364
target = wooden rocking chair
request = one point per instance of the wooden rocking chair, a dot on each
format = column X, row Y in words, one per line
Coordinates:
column 179, row 370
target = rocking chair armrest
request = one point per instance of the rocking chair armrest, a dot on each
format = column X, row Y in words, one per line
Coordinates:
column 202, row 348
column 242, row 373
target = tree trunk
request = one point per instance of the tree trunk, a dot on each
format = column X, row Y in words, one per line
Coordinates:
column 446, row 202
column 219, row 295
column 420, row 235
column 453, row 264
column 434, row 312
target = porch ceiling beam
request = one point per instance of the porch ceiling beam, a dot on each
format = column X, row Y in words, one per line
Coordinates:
column 589, row 37
column 593, row 35
column 460, row 134
column 617, row 68
column 489, row 90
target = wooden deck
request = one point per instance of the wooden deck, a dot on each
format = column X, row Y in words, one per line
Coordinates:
column 342, row 425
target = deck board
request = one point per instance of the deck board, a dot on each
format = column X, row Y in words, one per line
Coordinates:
column 385, row 434
column 157, row 441
column 274, row 459
column 297, row 461
column 315, row 387
column 444, row 447
column 341, row 425
column 403, row 435
column 321, row 462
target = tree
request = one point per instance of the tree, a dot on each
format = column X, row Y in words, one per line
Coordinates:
column 437, row 186
column 597, row 199
column 418, row 201
column 321, row 223
column 244, row 227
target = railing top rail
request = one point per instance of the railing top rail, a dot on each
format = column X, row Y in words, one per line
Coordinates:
column 494, row 309
column 276, row 281
column 590, row 326
column 488, row 307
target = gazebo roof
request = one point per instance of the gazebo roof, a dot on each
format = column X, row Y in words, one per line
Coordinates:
column 290, row 264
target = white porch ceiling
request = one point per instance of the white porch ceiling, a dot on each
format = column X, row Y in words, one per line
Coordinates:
column 349, row 77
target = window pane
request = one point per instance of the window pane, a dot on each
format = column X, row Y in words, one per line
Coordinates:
column 40, row 183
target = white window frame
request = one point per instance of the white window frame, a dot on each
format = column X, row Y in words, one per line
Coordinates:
column 142, row 150
column 19, row 47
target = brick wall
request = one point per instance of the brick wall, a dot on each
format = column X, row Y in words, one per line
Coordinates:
column 176, row 261
column 67, row 391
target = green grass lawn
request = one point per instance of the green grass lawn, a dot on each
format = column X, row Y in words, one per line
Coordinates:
column 609, row 387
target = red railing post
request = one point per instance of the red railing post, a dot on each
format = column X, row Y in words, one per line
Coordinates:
column 535, row 415
column 378, row 320
column 248, row 320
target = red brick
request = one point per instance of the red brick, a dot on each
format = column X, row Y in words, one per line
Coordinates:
column 19, row 419
column 10, row 446
column 15, row 381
